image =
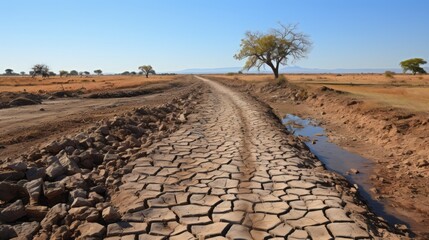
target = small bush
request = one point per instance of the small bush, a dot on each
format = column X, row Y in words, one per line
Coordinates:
column 389, row 74
column 281, row 80
column 230, row 74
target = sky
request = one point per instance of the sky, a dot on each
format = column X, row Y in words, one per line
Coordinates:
column 172, row 35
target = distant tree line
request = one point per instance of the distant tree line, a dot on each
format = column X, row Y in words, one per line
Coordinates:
column 44, row 71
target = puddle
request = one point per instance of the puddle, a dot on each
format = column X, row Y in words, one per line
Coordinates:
column 340, row 160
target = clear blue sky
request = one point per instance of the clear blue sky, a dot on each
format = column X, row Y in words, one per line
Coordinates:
column 172, row 35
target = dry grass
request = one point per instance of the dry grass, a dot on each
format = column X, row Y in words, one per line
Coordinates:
column 402, row 91
column 91, row 83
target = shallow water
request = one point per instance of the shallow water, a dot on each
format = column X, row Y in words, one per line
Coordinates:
column 340, row 160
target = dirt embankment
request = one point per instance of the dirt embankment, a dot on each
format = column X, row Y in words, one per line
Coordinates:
column 395, row 139
column 26, row 127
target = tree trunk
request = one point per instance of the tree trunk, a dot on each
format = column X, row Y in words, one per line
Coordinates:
column 147, row 75
column 276, row 73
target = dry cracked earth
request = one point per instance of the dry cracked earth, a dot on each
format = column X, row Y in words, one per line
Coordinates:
column 230, row 171
column 230, row 174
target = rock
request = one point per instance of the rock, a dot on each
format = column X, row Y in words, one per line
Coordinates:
column 109, row 157
column 110, row 215
column 62, row 232
column 55, row 214
column 77, row 193
column 54, row 147
column 95, row 197
column 27, row 230
column 22, row 101
column 34, row 188
column 9, row 191
column 36, row 213
column 52, row 190
column 422, row 163
column 81, row 202
column 70, row 166
column 181, row 118
column 18, row 166
column 35, row 173
column 103, row 130
column 10, row 175
column 353, row 171
column 91, row 230
column 55, row 169
column 7, row 232
column 13, row 212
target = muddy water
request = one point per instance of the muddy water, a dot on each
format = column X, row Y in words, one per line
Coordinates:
column 341, row 161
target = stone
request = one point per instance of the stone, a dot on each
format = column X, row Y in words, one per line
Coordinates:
column 34, row 189
column 52, row 190
column 422, row 163
column 69, row 165
column 81, row 202
column 77, row 193
column 11, row 175
column 61, row 232
column 54, row 215
column 110, row 215
column 13, row 212
column 10, row 191
column 125, row 228
column 55, row 169
column 33, row 173
column 91, row 230
column 7, row 232
column 36, row 213
column 17, row 166
column 54, row 147
column 27, row 229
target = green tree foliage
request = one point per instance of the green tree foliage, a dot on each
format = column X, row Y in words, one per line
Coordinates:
column 275, row 48
column 22, row 73
column 74, row 73
column 64, row 73
column 40, row 69
column 413, row 65
column 147, row 69
column 8, row 71
column 98, row 72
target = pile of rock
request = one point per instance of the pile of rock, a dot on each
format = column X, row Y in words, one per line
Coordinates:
column 63, row 190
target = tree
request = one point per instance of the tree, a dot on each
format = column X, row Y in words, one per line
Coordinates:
column 86, row 73
column 74, row 73
column 413, row 65
column 147, row 69
column 40, row 69
column 63, row 73
column 98, row 72
column 8, row 71
column 22, row 73
column 125, row 73
column 52, row 74
column 274, row 48
column 133, row 73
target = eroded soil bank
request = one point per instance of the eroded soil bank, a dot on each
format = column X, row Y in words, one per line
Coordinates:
column 395, row 139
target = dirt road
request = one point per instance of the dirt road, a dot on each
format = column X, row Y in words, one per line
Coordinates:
column 231, row 172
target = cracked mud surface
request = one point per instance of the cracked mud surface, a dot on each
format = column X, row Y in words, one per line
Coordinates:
column 230, row 172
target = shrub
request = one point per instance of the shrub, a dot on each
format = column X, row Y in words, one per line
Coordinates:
column 281, row 80
column 389, row 74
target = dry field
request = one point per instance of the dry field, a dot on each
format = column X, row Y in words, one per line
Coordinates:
column 402, row 91
column 90, row 83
